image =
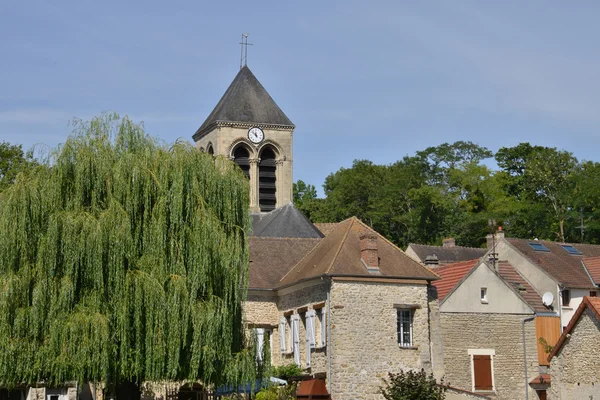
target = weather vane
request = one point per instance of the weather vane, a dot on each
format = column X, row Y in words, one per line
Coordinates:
column 244, row 50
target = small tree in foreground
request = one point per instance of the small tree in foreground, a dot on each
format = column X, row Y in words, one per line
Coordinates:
column 412, row 385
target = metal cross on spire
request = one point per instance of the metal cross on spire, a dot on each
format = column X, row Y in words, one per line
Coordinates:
column 244, row 50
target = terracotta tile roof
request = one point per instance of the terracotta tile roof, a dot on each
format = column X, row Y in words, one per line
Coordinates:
column 447, row 255
column 592, row 264
column 451, row 275
column 326, row 227
column 339, row 254
column 593, row 303
column 512, row 277
column 272, row 258
column 565, row 268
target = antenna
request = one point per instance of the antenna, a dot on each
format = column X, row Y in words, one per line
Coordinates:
column 244, row 50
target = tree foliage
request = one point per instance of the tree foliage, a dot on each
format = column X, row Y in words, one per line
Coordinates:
column 412, row 385
column 124, row 260
column 13, row 161
column 448, row 191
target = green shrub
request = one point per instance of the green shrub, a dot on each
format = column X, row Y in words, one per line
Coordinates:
column 285, row 371
column 412, row 385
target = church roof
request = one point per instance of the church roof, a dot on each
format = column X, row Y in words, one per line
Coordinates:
column 284, row 222
column 339, row 253
column 245, row 101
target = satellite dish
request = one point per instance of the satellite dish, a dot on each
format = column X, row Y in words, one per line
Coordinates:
column 547, row 299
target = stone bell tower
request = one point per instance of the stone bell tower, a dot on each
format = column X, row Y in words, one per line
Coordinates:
column 248, row 127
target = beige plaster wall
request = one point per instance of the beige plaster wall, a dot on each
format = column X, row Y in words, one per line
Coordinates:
column 500, row 298
column 499, row 332
column 364, row 337
column 575, row 369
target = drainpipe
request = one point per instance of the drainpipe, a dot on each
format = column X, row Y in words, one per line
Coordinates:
column 525, row 356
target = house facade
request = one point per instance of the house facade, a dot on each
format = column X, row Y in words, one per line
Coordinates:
column 574, row 368
column 491, row 320
column 550, row 267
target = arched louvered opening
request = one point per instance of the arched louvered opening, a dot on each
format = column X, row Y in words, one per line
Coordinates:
column 210, row 150
column 241, row 156
column 267, row 190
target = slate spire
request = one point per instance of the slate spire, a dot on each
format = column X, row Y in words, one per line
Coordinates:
column 247, row 102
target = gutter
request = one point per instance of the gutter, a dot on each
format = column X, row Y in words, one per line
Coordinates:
column 528, row 319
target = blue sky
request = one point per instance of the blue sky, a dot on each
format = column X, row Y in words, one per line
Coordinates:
column 361, row 80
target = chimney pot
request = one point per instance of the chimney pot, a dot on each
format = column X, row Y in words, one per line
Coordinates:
column 448, row 242
column 368, row 252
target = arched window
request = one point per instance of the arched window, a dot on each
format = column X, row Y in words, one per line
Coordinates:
column 210, row 150
column 267, row 189
column 242, row 157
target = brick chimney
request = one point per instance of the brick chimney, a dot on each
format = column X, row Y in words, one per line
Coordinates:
column 368, row 252
column 448, row 242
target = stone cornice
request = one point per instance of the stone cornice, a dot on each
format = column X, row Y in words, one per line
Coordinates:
column 238, row 124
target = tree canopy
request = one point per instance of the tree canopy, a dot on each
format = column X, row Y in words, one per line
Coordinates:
column 12, row 161
column 123, row 259
column 450, row 191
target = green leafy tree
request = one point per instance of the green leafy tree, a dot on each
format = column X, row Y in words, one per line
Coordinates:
column 305, row 198
column 12, row 161
column 124, row 260
column 412, row 385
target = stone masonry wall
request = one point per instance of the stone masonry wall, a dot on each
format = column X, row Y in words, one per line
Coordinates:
column 364, row 336
column 500, row 332
column 267, row 309
column 575, row 369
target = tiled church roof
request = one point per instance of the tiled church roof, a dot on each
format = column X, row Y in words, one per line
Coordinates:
column 245, row 101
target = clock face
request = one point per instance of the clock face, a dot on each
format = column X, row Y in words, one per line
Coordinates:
column 256, row 135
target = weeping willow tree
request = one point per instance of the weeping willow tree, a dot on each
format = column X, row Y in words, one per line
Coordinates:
column 124, row 260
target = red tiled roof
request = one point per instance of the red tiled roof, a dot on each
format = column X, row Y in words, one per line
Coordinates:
column 339, row 253
column 592, row 264
column 594, row 304
column 565, row 268
column 451, row 275
column 512, row 277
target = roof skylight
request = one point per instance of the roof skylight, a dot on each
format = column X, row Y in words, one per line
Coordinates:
column 537, row 246
column 571, row 249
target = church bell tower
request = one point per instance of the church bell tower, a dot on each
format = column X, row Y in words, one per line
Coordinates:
column 249, row 127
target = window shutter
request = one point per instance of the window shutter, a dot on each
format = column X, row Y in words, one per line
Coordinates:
column 260, row 343
column 310, row 329
column 323, row 315
column 482, row 368
column 282, row 334
column 296, row 338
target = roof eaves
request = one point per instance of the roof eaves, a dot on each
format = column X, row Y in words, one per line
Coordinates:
column 587, row 272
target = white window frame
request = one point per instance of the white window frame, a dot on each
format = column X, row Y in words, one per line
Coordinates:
column 400, row 327
column 482, row 352
column 62, row 393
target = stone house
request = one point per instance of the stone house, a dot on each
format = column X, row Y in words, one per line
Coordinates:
column 491, row 320
column 575, row 369
column 552, row 267
column 447, row 253
column 349, row 307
